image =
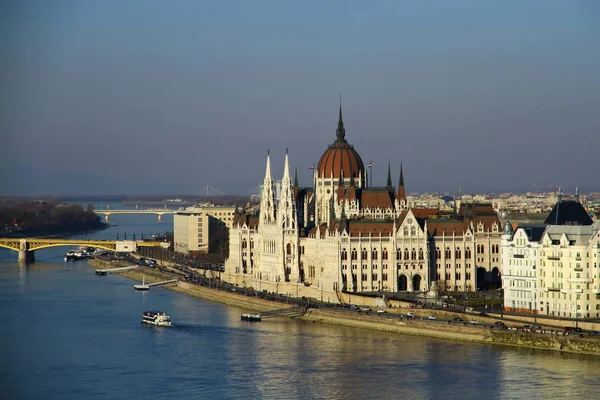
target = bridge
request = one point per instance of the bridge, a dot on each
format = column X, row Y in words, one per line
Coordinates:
column 157, row 211
column 26, row 247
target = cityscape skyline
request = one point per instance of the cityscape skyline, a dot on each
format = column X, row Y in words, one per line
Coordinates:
column 117, row 98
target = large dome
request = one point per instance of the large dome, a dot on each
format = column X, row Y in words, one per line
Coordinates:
column 341, row 158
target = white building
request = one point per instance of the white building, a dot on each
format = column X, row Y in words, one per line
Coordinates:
column 201, row 229
column 519, row 266
column 340, row 234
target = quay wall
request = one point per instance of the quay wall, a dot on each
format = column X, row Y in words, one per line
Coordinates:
column 455, row 332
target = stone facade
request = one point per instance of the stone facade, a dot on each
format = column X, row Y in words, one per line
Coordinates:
column 342, row 235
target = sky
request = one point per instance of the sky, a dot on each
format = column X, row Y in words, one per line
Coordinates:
column 153, row 97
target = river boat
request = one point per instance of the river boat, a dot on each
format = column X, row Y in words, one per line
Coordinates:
column 156, row 318
column 251, row 317
column 143, row 286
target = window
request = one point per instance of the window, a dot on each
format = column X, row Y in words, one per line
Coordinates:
column 457, row 254
column 468, row 253
column 414, row 254
column 420, row 254
column 374, row 254
column 364, row 254
column 438, row 253
column 448, row 253
column 344, row 255
column 384, row 254
column 354, row 254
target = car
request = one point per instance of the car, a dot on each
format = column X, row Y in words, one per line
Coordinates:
column 457, row 319
column 431, row 317
column 536, row 327
column 473, row 322
column 365, row 309
column 526, row 327
column 594, row 333
column 353, row 307
column 380, row 311
column 483, row 314
column 410, row 314
column 499, row 324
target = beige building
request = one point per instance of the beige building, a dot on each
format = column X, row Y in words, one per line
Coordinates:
column 202, row 229
column 340, row 234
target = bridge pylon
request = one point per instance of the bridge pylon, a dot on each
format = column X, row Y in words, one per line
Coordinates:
column 25, row 255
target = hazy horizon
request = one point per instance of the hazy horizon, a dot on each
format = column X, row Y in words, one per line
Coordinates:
column 151, row 97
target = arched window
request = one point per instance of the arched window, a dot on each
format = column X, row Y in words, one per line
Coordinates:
column 421, row 254
column 448, row 253
column 438, row 253
column 468, row 253
column 374, row 254
column 457, row 254
column 384, row 254
column 288, row 249
column 344, row 255
column 354, row 254
column 398, row 254
column 413, row 231
column 406, row 231
column 364, row 254
column 482, row 249
column 244, row 244
column 413, row 254
column 406, row 256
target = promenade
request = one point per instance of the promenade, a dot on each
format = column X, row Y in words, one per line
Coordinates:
column 394, row 320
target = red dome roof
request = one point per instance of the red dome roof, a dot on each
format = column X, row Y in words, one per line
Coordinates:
column 341, row 156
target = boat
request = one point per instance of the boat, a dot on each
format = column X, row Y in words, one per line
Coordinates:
column 82, row 253
column 157, row 318
column 101, row 272
column 143, row 286
column 251, row 317
column 114, row 224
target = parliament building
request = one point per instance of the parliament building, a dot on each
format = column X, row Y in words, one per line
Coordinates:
column 343, row 235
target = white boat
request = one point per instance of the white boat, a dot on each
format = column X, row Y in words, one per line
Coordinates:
column 157, row 318
column 143, row 286
column 251, row 317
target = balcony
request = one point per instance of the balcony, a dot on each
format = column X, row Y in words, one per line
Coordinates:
column 578, row 268
column 553, row 289
column 578, row 258
column 553, row 258
column 518, row 256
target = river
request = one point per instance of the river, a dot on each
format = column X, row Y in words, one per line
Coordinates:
column 66, row 333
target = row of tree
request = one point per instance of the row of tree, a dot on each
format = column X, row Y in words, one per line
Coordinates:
column 45, row 217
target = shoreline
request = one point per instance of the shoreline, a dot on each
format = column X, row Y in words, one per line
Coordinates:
column 62, row 235
column 372, row 322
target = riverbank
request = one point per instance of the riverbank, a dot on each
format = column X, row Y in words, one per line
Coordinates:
column 415, row 327
column 54, row 235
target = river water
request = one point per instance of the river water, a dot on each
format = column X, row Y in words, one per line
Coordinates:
column 66, row 333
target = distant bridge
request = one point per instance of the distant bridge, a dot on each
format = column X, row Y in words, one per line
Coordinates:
column 26, row 247
column 157, row 211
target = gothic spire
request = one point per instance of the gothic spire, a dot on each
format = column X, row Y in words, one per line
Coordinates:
column 295, row 177
column 389, row 179
column 341, row 132
column 401, row 189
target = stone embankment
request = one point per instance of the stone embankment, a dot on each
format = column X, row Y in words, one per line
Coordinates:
column 571, row 344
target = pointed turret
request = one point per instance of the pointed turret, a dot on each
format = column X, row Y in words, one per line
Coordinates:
column 267, row 199
column 295, row 177
column 389, row 179
column 340, row 132
column 401, row 189
column 286, row 217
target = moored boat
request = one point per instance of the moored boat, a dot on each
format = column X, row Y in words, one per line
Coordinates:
column 251, row 317
column 157, row 318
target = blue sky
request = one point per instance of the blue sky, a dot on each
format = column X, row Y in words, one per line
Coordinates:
column 164, row 97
